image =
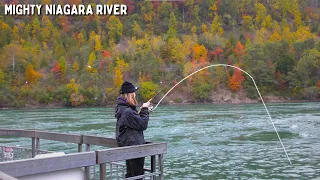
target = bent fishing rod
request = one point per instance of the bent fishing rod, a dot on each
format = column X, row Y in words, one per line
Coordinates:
column 226, row 65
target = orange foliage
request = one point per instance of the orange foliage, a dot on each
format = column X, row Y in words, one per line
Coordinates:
column 64, row 23
column 239, row 50
column 318, row 84
column 106, row 54
column 144, row 77
column 236, row 79
column 76, row 99
column 217, row 51
column 56, row 68
column 199, row 53
column 31, row 74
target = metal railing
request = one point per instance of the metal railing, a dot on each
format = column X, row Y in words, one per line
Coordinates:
column 112, row 156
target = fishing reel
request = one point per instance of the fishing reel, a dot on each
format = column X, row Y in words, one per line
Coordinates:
column 150, row 108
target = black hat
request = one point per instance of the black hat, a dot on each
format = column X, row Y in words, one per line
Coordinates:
column 128, row 87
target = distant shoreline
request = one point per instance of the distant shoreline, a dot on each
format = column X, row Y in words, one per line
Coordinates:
column 60, row 105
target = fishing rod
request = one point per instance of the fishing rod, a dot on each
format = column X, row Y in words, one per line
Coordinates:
column 226, row 65
column 169, row 84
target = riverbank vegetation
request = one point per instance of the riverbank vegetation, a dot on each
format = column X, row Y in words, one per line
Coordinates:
column 83, row 60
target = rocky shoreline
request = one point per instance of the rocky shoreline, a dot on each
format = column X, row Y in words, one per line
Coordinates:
column 220, row 96
column 168, row 101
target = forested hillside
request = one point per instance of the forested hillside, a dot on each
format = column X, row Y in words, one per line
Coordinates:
column 83, row 60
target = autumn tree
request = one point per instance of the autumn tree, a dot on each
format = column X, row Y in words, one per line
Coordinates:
column 97, row 44
column 248, row 22
column 239, row 51
column 236, row 79
column 172, row 32
column 115, row 29
column 121, row 67
column 5, row 33
column 63, row 67
column 267, row 22
column 261, row 13
column 31, row 74
column 148, row 90
column 216, row 25
column 2, row 77
column 91, row 66
column 199, row 53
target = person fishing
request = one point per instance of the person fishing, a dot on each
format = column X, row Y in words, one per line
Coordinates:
column 130, row 125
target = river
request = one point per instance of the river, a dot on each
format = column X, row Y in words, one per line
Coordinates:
column 206, row 141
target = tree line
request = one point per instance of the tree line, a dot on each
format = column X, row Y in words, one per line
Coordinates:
column 83, row 60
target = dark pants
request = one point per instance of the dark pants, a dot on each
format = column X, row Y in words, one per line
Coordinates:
column 134, row 167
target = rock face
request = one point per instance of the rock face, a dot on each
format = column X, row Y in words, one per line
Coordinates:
column 223, row 95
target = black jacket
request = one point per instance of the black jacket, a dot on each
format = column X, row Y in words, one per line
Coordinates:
column 130, row 125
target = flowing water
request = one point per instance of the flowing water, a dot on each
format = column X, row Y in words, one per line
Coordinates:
column 204, row 141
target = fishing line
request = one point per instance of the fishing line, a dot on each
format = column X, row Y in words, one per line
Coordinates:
column 226, row 65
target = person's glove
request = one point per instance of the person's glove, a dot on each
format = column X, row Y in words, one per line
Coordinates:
column 146, row 105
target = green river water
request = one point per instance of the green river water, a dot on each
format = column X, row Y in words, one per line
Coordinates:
column 204, row 141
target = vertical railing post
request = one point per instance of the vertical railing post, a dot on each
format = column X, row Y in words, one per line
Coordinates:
column 33, row 144
column 111, row 176
column 37, row 145
column 102, row 170
column 87, row 169
column 161, row 166
column 153, row 166
column 79, row 147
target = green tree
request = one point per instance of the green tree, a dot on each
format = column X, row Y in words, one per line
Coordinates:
column 267, row 22
column 63, row 66
column 172, row 32
column 306, row 66
column 2, row 78
column 35, row 26
column 216, row 24
column 148, row 90
column 115, row 30
column 261, row 13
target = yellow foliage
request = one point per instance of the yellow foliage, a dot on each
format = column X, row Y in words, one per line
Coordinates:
column 261, row 12
column 108, row 90
column 260, row 36
column 97, row 46
column 204, row 28
column 215, row 25
column 221, row 31
column 148, row 90
column 1, row 77
column 288, row 35
column 92, row 58
column 121, row 65
column 72, row 86
column 275, row 37
column 267, row 22
column 214, row 7
column 194, row 29
column 303, row 33
column 247, row 22
column 75, row 66
column 118, row 79
column 92, row 36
